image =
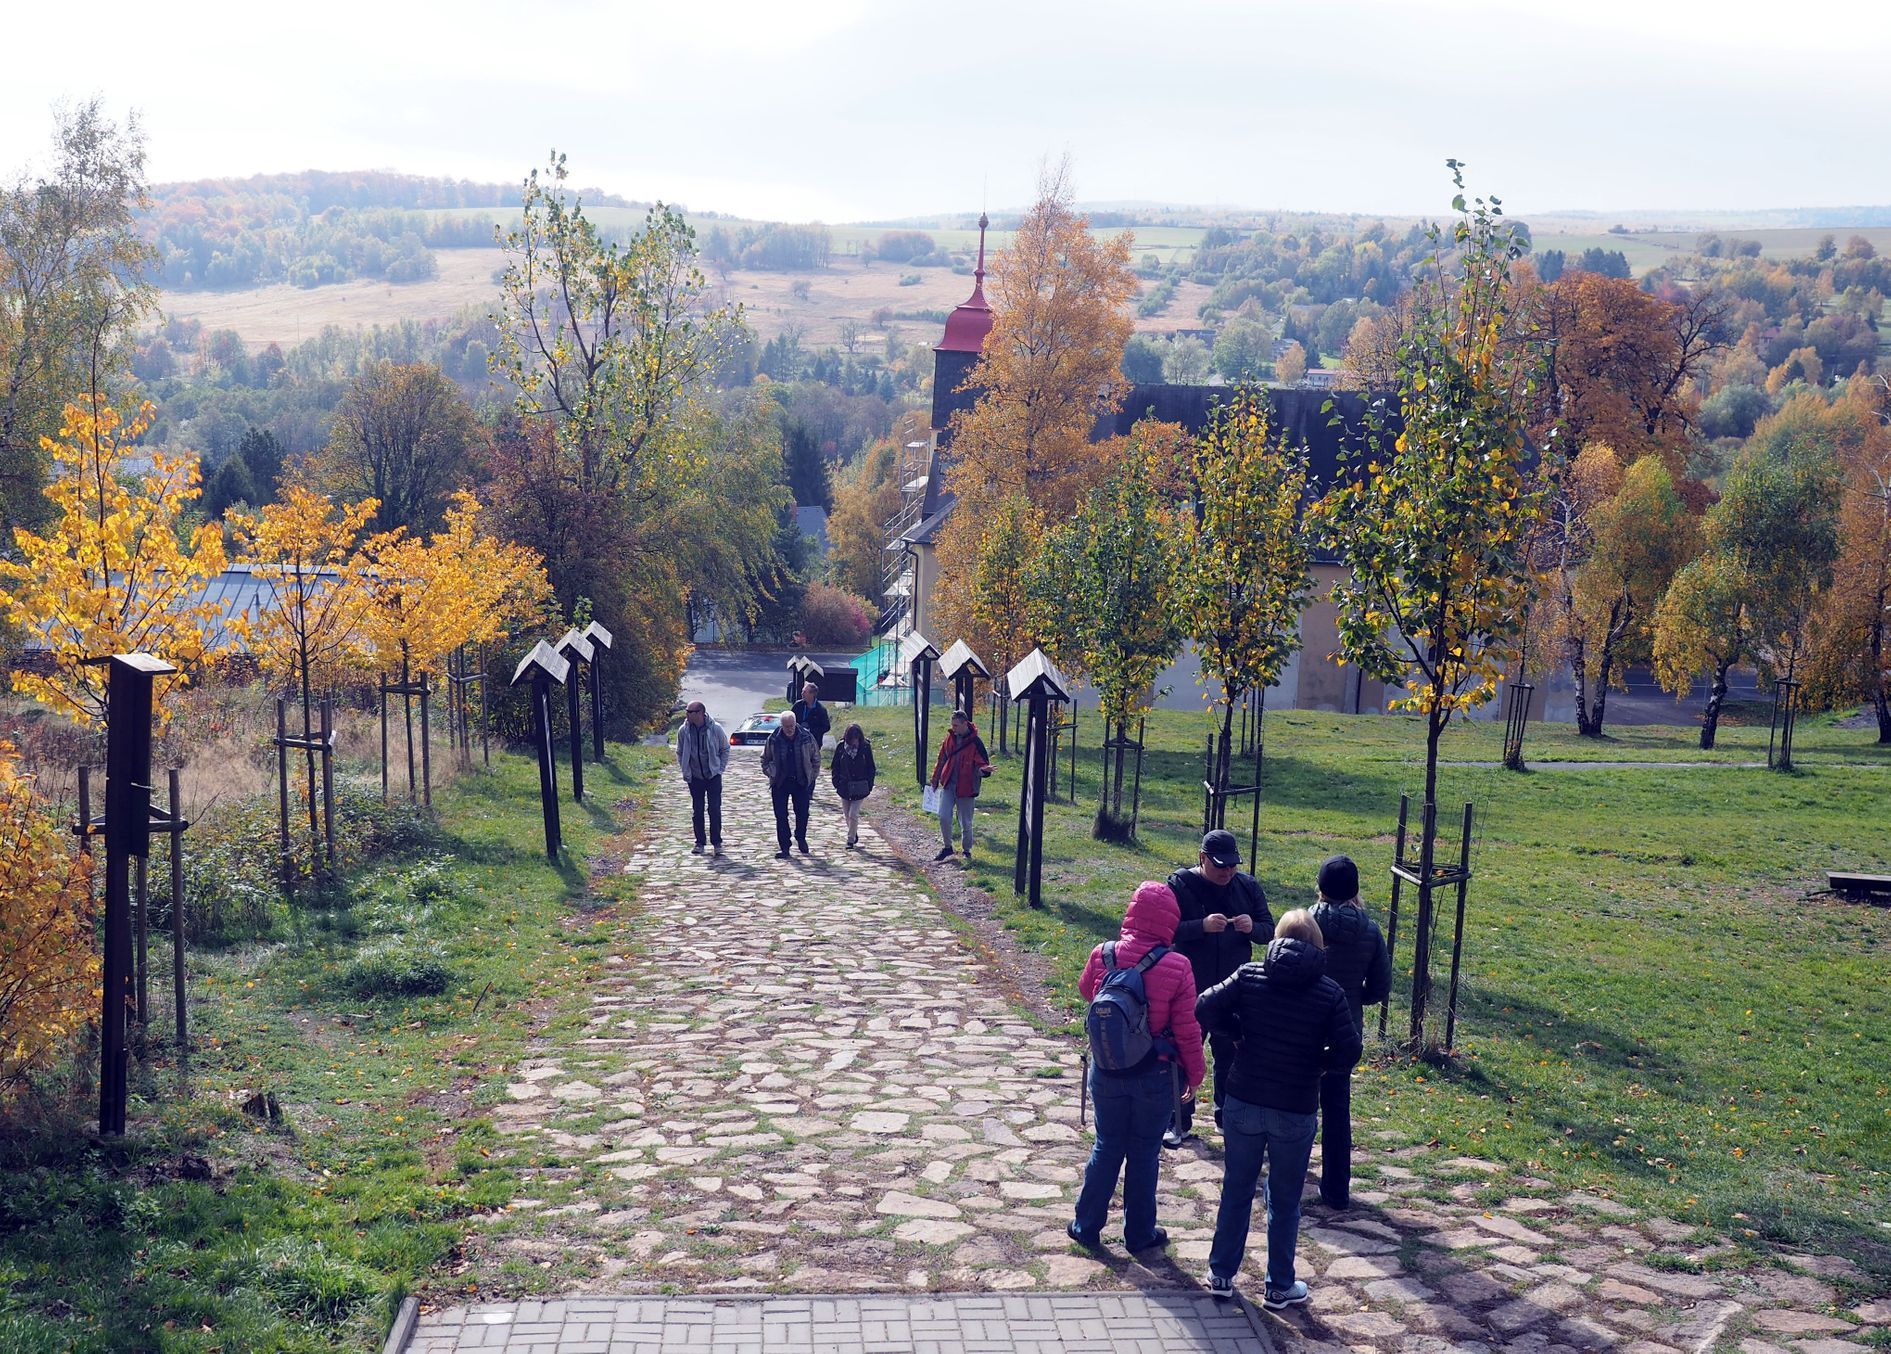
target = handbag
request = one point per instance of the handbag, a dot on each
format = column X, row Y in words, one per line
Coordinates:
column 929, row 801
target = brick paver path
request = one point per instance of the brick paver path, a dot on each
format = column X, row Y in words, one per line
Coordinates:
column 793, row 1079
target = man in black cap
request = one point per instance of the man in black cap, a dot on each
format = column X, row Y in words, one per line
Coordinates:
column 1224, row 916
column 1357, row 960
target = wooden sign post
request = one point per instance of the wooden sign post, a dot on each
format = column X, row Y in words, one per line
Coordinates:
column 1036, row 682
column 919, row 655
column 575, row 649
column 600, row 645
column 541, row 668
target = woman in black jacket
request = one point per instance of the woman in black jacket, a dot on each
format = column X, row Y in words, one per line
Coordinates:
column 852, row 774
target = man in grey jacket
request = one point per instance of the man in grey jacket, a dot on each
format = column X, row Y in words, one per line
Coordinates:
column 791, row 760
column 702, row 754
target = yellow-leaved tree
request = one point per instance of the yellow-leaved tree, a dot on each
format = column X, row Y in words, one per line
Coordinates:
column 305, row 628
column 117, row 570
column 48, row 971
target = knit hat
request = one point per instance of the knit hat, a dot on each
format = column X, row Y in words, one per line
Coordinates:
column 1339, row 879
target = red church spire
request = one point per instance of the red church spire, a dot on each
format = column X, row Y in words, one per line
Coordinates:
column 967, row 326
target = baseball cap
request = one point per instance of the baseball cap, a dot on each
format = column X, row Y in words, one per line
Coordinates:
column 1339, row 879
column 1221, row 847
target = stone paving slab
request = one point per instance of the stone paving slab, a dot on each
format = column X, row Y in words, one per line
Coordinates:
column 1041, row 1323
column 795, row 1076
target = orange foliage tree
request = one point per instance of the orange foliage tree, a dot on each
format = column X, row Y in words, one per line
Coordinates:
column 118, row 568
column 1851, row 652
column 48, row 972
column 1051, row 366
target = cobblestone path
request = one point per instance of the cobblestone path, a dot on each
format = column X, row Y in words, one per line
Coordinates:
column 794, row 1079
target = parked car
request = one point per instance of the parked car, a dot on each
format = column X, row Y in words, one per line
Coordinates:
column 754, row 729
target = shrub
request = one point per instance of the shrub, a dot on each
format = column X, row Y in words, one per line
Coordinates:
column 909, row 279
column 304, row 1279
column 47, row 964
column 395, row 971
column 831, row 615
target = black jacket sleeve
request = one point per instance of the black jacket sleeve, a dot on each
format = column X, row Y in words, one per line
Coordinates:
column 1378, row 982
column 1219, row 1008
column 1188, row 931
column 1343, row 1044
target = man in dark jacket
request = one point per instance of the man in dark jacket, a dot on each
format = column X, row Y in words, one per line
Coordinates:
column 1224, row 915
column 811, row 714
column 1294, row 1026
column 1357, row 960
column 791, row 760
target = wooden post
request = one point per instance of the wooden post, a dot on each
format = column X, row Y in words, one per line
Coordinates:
column 328, row 775
column 142, row 967
column 407, row 712
column 177, row 914
column 485, row 725
column 541, row 667
column 1422, row 925
column 426, row 746
column 285, row 858
column 572, row 695
column 1392, row 907
column 381, row 686
column 1457, row 935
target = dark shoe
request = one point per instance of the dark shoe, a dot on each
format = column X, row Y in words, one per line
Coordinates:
column 1337, row 1205
column 1220, row 1287
column 945, row 853
column 781, row 855
column 697, row 849
column 1276, row 1299
column 1090, row 1241
column 1158, row 1239
column 803, row 846
column 715, row 848
column 1174, row 1140
column 852, row 842
column 968, row 855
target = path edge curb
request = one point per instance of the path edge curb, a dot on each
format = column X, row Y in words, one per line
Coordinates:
column 403, row 1329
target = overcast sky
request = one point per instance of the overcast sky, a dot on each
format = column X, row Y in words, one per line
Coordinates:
column 846, row 110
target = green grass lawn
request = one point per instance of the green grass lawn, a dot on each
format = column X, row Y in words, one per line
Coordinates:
column 376, row 1027
column 1651, row 1005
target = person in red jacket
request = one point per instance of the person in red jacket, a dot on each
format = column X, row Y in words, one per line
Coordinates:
column 960, row 770
column 1134, row 1107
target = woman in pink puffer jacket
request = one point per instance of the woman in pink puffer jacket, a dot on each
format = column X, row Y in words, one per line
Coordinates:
column 1133, row 1107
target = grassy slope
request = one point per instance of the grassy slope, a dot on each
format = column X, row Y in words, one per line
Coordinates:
column 1649, row 1007
column 312, row 1230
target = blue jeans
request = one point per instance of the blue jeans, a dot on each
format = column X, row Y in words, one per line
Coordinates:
column 1249, row 1134
column 1131, row 1113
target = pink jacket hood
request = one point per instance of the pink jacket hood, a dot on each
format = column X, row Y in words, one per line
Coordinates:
column 1153, row 914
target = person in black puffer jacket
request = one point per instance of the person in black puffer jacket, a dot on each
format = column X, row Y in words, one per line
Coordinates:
column 1224, row 916
column 1357, row 960
column 1293, row 1025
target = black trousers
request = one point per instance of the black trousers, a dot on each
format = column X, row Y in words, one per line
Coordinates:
column 800, row 796
column 1336, row 1138
column 1221, row 1050
column 706, row 791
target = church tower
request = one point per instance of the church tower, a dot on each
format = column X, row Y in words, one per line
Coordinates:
column 957, row 353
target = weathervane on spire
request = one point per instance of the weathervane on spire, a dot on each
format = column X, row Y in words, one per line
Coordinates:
column 978, row 273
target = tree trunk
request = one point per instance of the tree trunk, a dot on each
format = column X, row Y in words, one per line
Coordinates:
column 1710, row 718
column 1600, row 709
column 1579, row 669
column 1880, row 697
column 1422, row 923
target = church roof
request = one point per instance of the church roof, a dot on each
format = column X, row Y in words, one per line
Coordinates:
column 967, row 326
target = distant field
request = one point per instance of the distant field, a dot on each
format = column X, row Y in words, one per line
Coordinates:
column 1646, row 252
column 846, row 290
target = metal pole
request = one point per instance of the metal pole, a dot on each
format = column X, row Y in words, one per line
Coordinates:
column 1457, row 935
column 1422, row 926
column 177, row 913
column 407, row 713
column 142, row 964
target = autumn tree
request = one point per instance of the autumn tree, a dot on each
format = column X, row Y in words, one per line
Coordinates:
column 119, row 568
column 305, row 629
column 1117, row 569
column 1615, row 365
column 1290, row 368
column 610, row 472
column 1851, row 656
column 403, row 436
column 1619, row 534
column 1241, row 560
column 865, row 499
column 1431, row 512
column 1000, row 586
column 49, row 970
column 73, row 285
column 1767, row 553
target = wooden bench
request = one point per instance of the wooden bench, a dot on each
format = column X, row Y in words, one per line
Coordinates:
column 1859, row 887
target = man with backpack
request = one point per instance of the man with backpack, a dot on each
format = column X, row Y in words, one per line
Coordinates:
column 1144, row 1043
column 1224, row 916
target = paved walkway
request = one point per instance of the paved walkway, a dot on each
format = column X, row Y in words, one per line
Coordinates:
column 795, row 1078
